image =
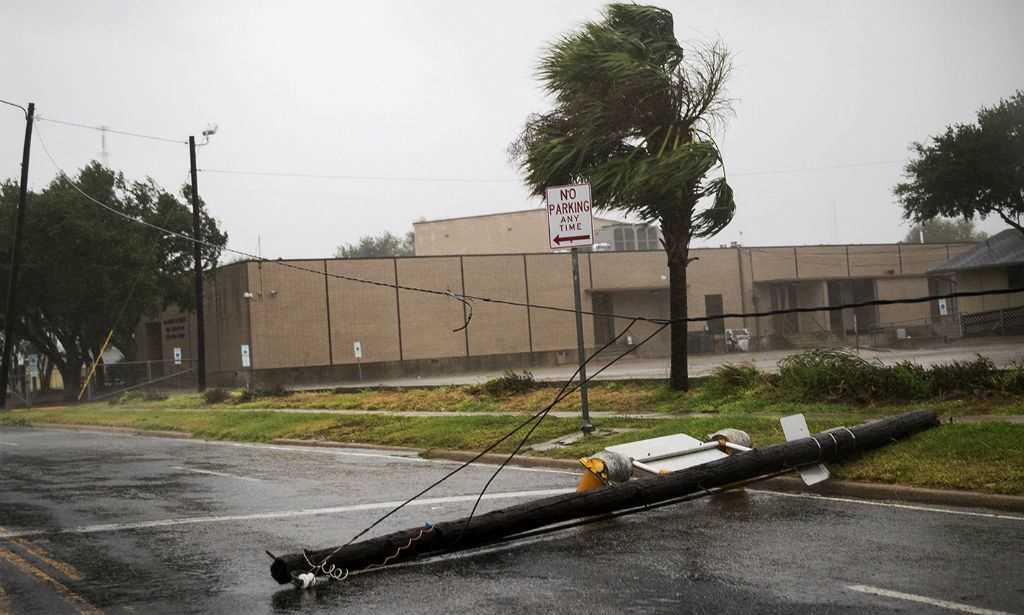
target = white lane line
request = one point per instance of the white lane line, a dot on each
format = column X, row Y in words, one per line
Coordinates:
column 946, row 511
column 212, row 473
column 9, row 444
column 284, row 514
column 411, row 457
column 944, row 604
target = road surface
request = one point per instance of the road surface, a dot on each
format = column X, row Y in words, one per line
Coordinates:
column 109, row 523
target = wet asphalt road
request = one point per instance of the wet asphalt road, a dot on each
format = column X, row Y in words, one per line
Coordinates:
column 104, row 523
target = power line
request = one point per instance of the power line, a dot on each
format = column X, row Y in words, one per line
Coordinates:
column 7, row 102
column 465, row 297
column 113, row 131
column 460, row 180
column 471, row 180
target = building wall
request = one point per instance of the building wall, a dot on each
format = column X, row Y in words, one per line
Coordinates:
column 299, row 318
column 515, row 232
column 907, row 314
column 986, row 279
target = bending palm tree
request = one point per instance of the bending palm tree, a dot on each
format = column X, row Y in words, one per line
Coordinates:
column 633, row 115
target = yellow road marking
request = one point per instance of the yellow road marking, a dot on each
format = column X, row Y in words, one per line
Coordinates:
column 80, row 603
column 64, row 568
column 39, row 553
column 5, row 604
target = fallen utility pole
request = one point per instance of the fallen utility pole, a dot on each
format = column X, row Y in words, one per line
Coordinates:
column 500, row 524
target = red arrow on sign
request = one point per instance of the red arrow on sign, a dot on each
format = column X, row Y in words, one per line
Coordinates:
column 559, row 239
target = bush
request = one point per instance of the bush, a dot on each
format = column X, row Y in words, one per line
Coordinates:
column 509, row 383
column 244, row 396
column 977, row 376
column 154, row 396
column 276, row 390
column 216, row 396
column 127, row 397
column 1012, row 378
column 731, row 379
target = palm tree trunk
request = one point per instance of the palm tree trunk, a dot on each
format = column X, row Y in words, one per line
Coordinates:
column 679, row 378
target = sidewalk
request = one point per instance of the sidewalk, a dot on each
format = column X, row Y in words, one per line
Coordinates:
column 1002, row 352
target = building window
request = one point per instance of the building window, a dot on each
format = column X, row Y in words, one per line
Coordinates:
column 647, row 238
column 1015, row 277
column 713, row 307
column 624, row 238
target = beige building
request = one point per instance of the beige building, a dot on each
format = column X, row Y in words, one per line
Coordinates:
column 514, row 232
column 301, row 318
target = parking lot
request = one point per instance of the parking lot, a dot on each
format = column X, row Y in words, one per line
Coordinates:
column 106, row 523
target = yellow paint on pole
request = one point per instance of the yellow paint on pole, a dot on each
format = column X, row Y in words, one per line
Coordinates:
column 92, row 370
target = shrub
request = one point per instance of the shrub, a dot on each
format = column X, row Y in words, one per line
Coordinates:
column 730, row 379
column 127, row 397
column 977, row 376
column 1012, row 378
column 276, row 390
column 244, row 396
column 154, row 396
column 509, row 383
column 216, row 396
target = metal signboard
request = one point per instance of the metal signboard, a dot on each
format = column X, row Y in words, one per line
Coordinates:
column 570, row 220
column 177, row 355
column 795, row 428
column 246, row 362
column 357, row 349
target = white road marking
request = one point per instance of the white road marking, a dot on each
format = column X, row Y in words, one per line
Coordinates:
column 946, row 511
column 944, row 604
column 212, row 473
column 9, row 444
column 284, row 514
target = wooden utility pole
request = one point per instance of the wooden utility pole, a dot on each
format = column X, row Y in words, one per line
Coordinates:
column 197, row 254
column 10, row 311
column 500, row 524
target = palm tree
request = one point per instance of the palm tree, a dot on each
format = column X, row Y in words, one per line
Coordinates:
column 633, row 115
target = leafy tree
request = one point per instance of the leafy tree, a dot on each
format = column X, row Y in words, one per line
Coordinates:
column 633, row 112
column 385, row 244
column 85, row 270
column 971, row 169
column 939, row 230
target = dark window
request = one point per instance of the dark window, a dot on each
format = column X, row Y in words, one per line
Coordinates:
column 1015, row 277
column 713, row 307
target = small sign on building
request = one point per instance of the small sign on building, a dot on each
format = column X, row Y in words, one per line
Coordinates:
column 357, row 349
column 177, row 355
column 246, row 362
column 943, row 308
column 570, row 220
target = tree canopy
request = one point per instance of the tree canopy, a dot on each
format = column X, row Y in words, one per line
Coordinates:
column 940, row 230
column 86, row 270
column 970, row 170
column 633, row 115
column 385, row 244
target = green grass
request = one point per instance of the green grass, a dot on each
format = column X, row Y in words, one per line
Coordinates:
column 982, row 457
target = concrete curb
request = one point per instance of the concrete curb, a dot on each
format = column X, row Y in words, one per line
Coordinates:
column 156, row 433
column 785, row 484
column 902, row 493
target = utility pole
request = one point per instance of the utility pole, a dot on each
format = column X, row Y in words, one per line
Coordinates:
column 12, row 280
column 587, row 427
column 197, row 255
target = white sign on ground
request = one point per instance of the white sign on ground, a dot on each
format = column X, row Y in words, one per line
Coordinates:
column 245, row 356
column 177, row 356
column 570, row 221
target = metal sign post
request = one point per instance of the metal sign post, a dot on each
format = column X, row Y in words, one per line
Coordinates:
column 571, row 224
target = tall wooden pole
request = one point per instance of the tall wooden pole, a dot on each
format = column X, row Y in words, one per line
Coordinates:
column 500, row 524
column 197, row 255
column 10, row 314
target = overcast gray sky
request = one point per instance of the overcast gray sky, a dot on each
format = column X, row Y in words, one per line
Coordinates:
column 828, row 97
